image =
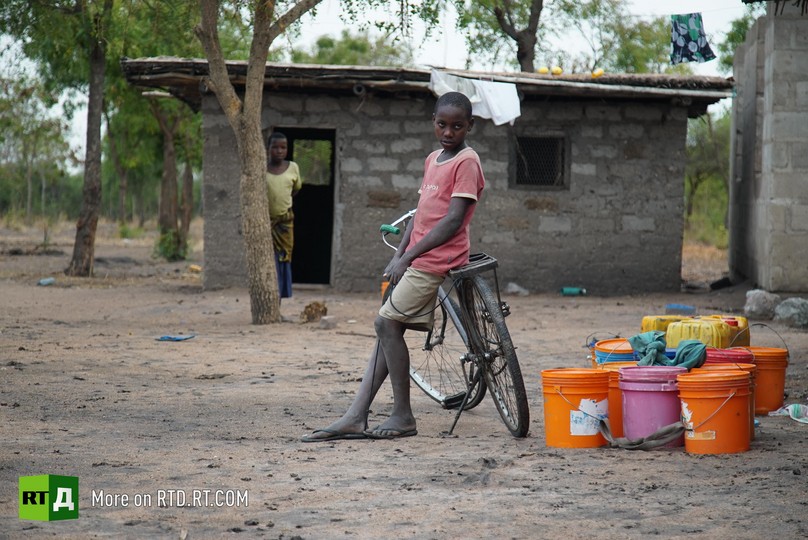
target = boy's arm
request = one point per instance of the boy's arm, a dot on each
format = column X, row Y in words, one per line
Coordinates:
column 402, row 247
column 440, row 233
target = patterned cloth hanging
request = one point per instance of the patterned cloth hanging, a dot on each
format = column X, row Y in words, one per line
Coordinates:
column 688, row 41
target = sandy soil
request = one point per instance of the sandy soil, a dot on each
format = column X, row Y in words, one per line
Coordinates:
column 87, row 390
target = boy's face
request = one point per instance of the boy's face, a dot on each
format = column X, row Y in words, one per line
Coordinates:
column 451, row 126
column 277, row 150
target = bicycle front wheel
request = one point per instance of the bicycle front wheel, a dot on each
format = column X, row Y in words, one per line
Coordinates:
column 500, row 367
column 440, row 365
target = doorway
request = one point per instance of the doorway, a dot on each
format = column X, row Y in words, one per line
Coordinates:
column 313, row 150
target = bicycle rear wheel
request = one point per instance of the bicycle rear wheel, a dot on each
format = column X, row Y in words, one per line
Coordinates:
column 440, row 364
column 500, row 367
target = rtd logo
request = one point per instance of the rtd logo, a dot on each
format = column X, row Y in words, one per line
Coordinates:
column 49, row 497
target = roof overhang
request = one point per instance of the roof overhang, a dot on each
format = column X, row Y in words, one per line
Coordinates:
column 185, row 79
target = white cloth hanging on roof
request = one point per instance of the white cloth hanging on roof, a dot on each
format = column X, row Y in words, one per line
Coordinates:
column 498, row 101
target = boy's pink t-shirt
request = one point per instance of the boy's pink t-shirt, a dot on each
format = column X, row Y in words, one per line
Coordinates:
column 460, row 176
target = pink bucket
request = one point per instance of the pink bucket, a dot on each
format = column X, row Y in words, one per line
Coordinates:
column 650, row 400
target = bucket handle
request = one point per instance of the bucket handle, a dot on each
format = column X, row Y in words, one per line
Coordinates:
column 732, row 395
column 748, row 329
column 588, row 342
column 560, row 393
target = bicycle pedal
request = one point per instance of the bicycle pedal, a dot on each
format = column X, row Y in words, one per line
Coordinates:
column 505, row 308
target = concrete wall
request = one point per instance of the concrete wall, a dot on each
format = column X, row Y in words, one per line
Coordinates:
column 616, row 229
column 769, row 188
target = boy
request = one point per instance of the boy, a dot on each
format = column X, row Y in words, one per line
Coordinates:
column 436, row 241
column 283, row 183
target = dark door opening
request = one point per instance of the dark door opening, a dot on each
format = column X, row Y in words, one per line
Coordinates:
column 313, row 151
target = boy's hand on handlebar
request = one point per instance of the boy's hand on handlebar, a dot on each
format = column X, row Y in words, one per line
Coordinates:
column 396, row 268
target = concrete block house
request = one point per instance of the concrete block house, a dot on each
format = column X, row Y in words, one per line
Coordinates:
column 586, row 188
column 768, row 213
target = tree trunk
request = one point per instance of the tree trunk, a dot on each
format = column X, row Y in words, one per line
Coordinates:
column 261, row 271
column 167, row 212
column 526, row 51
column 84, row 247
column 187, row 205
column 29, row 183
column 245, row 119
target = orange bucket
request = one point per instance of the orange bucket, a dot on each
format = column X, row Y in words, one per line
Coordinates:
column 715, row 411
column 771, row 378
column 575, row 400
column 615, row 395
column 384, row 286
column 749, row 368
column 612, row 350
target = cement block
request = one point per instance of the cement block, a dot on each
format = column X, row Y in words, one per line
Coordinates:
column 498, row 238
column 322, row 104
column 776, row 155
column 560, row 224
column 369, row 146
column 602, row 113
column 801, row 98
column 568, row 113
column 591, row 132
column 367, row 108
column 646, row 113
column 787, row 185
column 626, row 131
column 385, row 127
column 351, row 165
column 417, row 108
column 786, row 125
column 494, row 168
column 603, row 151
column 415, row 165
column 776, row 218
column 787, row 66
column 411, row 144
column 799, row 218
column 419, row 126
column 282, row 102
column 584, row 169
column 366, row 181
column 406, row 181
column 379, row 164
column 799, row 156
column 637, row 223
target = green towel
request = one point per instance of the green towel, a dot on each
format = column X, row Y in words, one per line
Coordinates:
column 650, row 347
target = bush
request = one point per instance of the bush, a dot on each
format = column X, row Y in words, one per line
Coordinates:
column 171, row 247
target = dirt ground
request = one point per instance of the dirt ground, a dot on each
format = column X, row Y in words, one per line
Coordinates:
column 87, row 390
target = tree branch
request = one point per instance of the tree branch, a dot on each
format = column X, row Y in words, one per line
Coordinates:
column 535, row 12
column 505, row 23
column 294, row 13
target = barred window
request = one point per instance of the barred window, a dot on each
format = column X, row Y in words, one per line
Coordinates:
column 540, row 162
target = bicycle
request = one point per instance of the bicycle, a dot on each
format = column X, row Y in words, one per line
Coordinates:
column 469, row 350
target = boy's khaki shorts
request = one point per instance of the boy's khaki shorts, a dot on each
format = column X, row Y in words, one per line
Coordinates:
column 412, row 301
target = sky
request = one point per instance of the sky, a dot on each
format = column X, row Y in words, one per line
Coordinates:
column 446, row 48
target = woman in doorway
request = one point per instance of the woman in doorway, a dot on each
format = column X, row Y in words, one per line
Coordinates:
column 283, row 183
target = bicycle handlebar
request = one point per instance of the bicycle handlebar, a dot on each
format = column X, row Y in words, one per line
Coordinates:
column 389, row 229
column 392, row 229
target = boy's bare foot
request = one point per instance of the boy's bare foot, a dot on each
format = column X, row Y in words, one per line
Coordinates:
column 336, row 431
column 393, row 428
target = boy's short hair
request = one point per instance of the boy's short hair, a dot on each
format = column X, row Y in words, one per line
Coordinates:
column 454, row 99
column 275, row 136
